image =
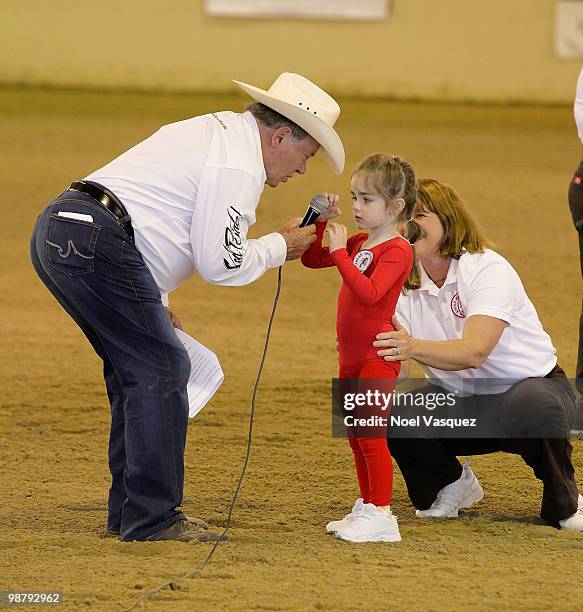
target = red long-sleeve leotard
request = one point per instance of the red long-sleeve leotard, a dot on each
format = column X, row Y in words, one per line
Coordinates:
column 366, row 304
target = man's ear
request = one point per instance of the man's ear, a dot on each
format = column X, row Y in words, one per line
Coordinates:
column 281, row 135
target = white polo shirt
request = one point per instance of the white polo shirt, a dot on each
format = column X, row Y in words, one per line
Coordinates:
column 578, row 106
column 480, row 284
column 191, row 190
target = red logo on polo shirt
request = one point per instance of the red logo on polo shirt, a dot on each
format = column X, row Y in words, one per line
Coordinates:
column 456, row 307
column 576, row 180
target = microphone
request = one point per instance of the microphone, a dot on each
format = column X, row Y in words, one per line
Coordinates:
column 318, row 204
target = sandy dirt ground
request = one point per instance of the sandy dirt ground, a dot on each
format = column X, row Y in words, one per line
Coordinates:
column 512, row 165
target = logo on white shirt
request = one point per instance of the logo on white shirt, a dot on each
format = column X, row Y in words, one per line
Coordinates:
column 363, row 259
column 456, row 307
column 233, row 242
column 222, row 124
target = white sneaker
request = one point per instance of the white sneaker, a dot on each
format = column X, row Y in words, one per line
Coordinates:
column 333, row 526
column 575, row 522
column 371, row 525
column 462, row 493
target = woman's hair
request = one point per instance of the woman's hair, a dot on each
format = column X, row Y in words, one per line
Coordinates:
column 461, row 233
column 392, row 177
column 460, row 230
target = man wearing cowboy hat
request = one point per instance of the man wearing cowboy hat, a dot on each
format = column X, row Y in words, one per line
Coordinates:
column 113, row 246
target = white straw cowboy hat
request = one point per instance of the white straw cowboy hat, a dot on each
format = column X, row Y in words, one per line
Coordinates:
column 310, row 107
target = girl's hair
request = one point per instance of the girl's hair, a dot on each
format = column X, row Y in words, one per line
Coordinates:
column 461, row 233
column 392, row 177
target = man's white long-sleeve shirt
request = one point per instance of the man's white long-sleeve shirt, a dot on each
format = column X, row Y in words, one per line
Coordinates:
column 191, row 190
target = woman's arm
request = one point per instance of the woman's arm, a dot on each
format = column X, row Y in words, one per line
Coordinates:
column 405, row 371
column 479, row 337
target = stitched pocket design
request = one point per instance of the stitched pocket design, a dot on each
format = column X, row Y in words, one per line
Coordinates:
column 70, row 245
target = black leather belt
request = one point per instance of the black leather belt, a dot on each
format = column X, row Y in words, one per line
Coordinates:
column 106, row 197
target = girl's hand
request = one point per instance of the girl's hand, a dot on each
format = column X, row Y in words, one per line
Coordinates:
column 332, row 211
column 338, row 235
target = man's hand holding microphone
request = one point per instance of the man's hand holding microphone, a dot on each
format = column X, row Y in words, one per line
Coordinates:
column 298, row 239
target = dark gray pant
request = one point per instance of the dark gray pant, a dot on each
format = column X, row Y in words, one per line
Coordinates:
column 576, row 206
column 429, row 464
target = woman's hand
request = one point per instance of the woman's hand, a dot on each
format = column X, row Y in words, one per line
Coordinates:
column 399, row 344
column 332, row 211
column 338, row 235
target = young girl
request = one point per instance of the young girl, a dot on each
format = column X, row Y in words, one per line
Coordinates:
column 374, row 266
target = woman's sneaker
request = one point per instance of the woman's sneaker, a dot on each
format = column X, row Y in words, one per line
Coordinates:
column 463, row 493
column 333, row 526
column 372, row 524
column 575, row 522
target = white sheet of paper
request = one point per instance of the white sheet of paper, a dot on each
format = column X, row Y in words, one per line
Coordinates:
column 74, row 215
column 206, row 375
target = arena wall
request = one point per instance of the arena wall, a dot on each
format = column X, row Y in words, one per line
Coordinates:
column 451, row 50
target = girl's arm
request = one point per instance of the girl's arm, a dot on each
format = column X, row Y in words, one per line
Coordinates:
column 318, row 256
column 369, row 290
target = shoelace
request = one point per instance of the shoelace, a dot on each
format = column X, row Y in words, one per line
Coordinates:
column 356, row 510
column 370, row 515
column 452, row 496
column 448, row 496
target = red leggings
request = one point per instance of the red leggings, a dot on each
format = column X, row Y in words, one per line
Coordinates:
column 374, row 466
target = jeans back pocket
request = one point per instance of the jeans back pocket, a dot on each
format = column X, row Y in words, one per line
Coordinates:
column 70, row 245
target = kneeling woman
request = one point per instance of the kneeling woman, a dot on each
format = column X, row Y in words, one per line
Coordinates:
column 470, row 325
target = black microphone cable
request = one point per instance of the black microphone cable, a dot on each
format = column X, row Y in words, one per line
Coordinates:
column 173, row 584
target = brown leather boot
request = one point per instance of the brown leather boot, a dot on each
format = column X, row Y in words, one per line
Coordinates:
column 185, row 531
column 198, row 523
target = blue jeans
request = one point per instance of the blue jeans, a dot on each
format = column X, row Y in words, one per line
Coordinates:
column 99, row 277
